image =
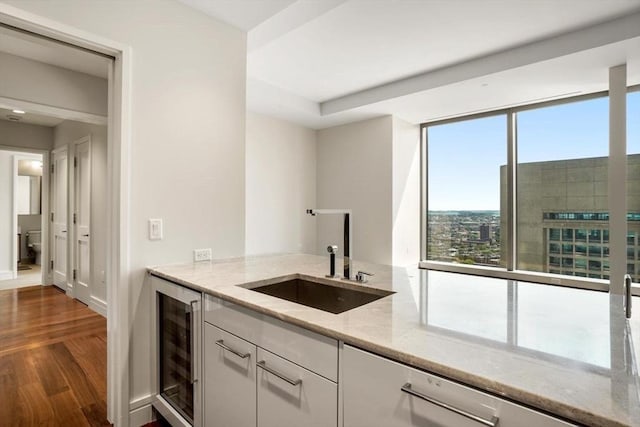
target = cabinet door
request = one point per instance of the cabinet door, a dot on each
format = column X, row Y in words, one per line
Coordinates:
column 374, row 397
column 291, row 396
column 230, row 380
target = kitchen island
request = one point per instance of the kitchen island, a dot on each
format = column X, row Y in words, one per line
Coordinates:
column 567, row 352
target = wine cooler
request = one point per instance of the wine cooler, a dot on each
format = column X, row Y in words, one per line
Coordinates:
column 177, row 343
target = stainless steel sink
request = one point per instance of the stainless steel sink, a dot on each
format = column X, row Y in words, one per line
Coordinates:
column 323, row 296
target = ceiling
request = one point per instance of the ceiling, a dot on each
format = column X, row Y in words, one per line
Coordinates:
column 323, row 63
column 57, row 54
column 49, row 52
column 29, row 118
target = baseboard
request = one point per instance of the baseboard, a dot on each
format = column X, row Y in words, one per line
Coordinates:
column 99, row 306
column 70, row 289
column 140, row 411
column 6, row 275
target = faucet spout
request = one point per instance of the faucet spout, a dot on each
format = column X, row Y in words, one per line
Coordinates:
column 347, row 249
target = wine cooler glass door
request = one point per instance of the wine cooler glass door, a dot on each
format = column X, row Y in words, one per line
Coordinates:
column 176, row 360
column 177, row 363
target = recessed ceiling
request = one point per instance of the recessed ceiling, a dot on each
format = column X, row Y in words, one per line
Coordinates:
column 355, row 59
column 49, row 52
column 29, row 118
column 243, row 14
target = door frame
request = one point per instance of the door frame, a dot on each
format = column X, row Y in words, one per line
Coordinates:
column 118, row 194
column 74, row 226
column 44, row 208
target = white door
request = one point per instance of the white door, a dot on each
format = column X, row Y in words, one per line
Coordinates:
column 82, row 220
column 59, row 217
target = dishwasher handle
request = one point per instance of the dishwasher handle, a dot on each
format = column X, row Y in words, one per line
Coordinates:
column 493, row 422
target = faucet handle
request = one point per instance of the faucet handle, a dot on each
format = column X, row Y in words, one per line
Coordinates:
column 360, row 276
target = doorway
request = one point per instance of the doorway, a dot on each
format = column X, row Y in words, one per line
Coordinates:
column 21, row 218
column 117, row 191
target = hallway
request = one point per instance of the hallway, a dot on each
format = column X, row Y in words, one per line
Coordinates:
column 53, row 360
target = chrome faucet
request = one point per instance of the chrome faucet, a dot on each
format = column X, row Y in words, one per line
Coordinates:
column 347, row 250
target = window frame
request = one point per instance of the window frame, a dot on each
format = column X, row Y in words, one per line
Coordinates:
column 510, row 272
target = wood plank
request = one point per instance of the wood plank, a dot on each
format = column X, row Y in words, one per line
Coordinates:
column 33, row 407
column 52, row 360
column 75, row 377
column 8, row 388
column 66, row 410
column 96, row 414
column 48, row 371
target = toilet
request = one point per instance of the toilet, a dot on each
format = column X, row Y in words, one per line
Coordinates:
column 34, row 243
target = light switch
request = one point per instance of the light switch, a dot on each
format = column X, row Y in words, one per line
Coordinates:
column 155, row 229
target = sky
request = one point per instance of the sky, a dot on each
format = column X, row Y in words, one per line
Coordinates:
column 465, row 157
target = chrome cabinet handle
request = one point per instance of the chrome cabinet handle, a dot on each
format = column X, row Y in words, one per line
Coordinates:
column 627, row 296
column 194, row 306
column 493, row 422
column 262, row 364
column 221, row 344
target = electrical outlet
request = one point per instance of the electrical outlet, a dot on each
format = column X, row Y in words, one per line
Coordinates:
column 202, row 254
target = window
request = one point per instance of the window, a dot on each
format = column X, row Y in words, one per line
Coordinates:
column 561, row 179
column 555, row 219
column 464, row 163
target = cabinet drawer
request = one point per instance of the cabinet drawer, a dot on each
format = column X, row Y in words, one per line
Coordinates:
column 291, row 396
column 230, row 380
column 301, row 346
column 373, row 397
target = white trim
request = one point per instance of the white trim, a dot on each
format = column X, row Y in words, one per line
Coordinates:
column 6, row 275
column 118, row 189
column 52, row 111
column 140, row 402
column 98, row 305
column 140, row 411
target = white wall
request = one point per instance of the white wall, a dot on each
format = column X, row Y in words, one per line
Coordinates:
column 406, row 193
column 281, row 185
column 33, row 81
column 354, row 172
column 188, row 137
column 22, row 135
column 66, row 133
column 373, row 168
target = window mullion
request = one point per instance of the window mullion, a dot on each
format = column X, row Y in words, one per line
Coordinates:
column 512, row 159
column 617, row 176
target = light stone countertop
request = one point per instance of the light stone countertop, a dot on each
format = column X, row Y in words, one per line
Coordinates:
column 548, row 347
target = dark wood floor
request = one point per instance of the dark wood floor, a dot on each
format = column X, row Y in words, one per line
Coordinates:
column 53, row 360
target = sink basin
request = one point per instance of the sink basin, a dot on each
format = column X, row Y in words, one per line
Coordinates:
column 332, row 298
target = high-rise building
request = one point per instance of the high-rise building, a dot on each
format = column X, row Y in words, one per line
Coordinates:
column 485, row 232
column 563, row 220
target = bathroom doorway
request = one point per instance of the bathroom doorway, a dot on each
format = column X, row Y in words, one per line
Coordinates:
column 21, row 218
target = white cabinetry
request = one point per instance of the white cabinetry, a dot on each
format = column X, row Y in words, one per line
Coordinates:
column 230, row 379
column 260, row 371
column 380, row 392
column 291, row 396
